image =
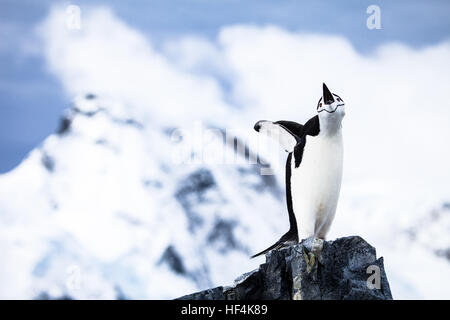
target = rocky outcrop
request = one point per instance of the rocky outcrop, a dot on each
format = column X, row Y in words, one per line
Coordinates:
column 344, row 269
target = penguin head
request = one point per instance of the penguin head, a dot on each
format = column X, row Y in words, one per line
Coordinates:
column 330, row 108
column 330, row 104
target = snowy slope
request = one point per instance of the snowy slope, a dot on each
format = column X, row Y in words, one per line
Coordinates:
column 139, row 194
column 99, row 209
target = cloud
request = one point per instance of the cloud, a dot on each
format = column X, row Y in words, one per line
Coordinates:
column 110, row 58
column 397, row 106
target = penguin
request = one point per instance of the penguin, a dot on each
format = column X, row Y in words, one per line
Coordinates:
column 313, row 168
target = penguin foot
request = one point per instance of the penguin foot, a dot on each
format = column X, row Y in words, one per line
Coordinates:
column 310, row 259
column 314, row 255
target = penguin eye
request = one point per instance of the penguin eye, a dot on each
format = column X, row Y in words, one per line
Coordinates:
column 320, row 105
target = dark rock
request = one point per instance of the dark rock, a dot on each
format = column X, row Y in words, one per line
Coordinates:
column 46, row 296
column 75, row 110
column 266, row 182
column 90, row 96
column 260, row 182
column 64, row 125
column 152, row 183
column 133, row 122
column 192, row 191
column 210, row 294
column 222, row 236
column 245, row 287
column 344, row 269
column 128, row 122
column 446, row 206
column 120, row 295
column 445, row 253
column 48, row 162
column 173, row 259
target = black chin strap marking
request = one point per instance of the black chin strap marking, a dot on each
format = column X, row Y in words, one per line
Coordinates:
column 331, row 111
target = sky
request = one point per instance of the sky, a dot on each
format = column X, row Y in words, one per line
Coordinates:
column 32, row 98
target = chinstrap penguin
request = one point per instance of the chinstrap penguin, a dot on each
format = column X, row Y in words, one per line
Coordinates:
column 313, row 168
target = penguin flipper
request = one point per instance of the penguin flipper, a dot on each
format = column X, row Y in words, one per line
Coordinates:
column 288, row 239
column 284, row 132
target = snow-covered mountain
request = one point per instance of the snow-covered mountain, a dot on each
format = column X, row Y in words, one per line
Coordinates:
column 140, row 194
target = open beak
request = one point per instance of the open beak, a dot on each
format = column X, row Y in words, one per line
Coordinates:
column 327, row 96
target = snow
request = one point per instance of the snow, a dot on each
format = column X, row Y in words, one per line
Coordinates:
column 92, row 211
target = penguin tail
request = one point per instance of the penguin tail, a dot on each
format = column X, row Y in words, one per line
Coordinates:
column 277, row 245
column 288, row 239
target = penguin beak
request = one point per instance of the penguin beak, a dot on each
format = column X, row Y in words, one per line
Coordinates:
column 327, row 96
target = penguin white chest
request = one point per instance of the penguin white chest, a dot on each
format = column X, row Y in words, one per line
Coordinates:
column 316, row 183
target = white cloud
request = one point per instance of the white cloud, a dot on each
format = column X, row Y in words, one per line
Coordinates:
column 111, row 59
column 396, row 97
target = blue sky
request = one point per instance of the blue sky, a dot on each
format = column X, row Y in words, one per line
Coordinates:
column 32, row 100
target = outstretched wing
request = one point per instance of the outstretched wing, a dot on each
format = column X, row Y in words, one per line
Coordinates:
column 286, row 133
